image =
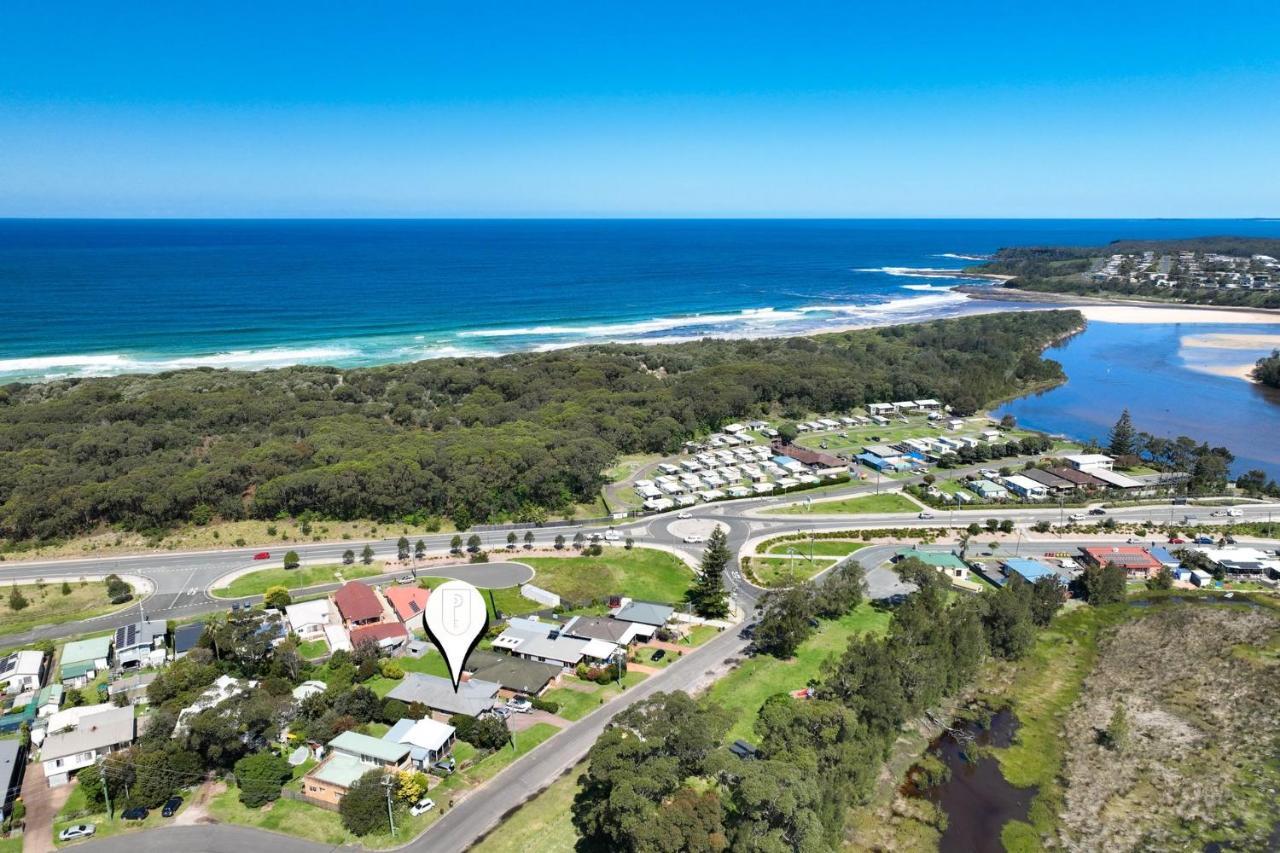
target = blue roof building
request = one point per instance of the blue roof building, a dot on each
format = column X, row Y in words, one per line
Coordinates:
column 1165, row 558
column 1029, row 570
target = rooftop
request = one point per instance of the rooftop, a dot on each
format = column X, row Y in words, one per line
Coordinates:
column 644, row 612
column 86, row 650
column 340, row 769
column 354, row 743
column 472, row 697
column 425, row 733
column 1029, row 570
column 357, row 602
column 94, row 731
column 407, row 601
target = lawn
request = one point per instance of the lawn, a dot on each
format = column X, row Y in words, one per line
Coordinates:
column 776, row 572
column 575, row 704
column 744, row 689
column 429, row 664
column 291, row 817
column 78, row 810
column 313, row 649
column 256, row 583
column 14, row 845
column 699, row 634
column 819, row 547
column 544, row 824
column 887, row 502
column 46, row 605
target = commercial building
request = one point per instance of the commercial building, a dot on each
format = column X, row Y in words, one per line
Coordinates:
column 1134, row 560
column 1027, row 569
column 944, row 561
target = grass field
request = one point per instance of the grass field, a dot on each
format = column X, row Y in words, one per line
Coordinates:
column 745, row 689
column 775, row 572
column 290, row 817
column 542, row 825
column 78, row 810
column 818, row 547
column 313, row 649
column 888, row 502
column 257, row 583
column 46, row 605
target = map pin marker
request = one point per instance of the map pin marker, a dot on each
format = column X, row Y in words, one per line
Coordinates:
column 455, row 619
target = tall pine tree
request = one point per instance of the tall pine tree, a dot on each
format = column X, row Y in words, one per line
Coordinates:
column 708, row 594
column 1123, row 437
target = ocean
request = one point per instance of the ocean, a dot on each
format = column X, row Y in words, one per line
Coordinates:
column 101, row 297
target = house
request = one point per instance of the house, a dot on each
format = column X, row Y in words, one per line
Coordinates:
column 472, row 698
column 309, row 688
column 944, row 561
column 308, row 619
column 21, row 671
column 46, row 701
column 988, row 490
column 13, row 761
column 351, row 755
column 141, row 644
column 357, row 604
column 1136, row 561
column 133, row 686
column 82, row 660
column 734, row 429
column 642, row 613
column 94, row 735
column 1024, row 487
column 223, row 688
column 928, row 405
column 388, row 636
column 428, row 740
column 880, row 409
column 337, row 638
column 617, row 631
column 1090, row 462
column 185, row 638
column 515, row 675
column 1027, row 569
column 545, row 642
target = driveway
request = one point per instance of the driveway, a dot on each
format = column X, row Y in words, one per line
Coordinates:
column 42, row 804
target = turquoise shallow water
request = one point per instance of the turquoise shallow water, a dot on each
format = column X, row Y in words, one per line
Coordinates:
column 100, row 297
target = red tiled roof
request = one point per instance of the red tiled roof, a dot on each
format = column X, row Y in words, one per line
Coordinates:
column 378, row 633
column 1131, row 558
column 407, row 601
column 356, row 602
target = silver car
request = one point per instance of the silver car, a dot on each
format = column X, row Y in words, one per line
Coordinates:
column 80, row 830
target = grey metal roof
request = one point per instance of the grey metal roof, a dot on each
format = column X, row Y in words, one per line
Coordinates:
column 646, row 613
column 596, row 628
column 437, row 693
column 95, row 731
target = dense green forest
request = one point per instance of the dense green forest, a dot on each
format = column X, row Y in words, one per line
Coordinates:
column 472, row 439
column 1267, row 370
column 1059, row 269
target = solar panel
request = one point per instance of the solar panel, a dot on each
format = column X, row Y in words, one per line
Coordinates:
column 8, row 665
column 413, row 605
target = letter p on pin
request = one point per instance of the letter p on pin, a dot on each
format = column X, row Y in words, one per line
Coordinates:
column 455, row 619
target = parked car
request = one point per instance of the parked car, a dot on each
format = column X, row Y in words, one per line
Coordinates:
column 262, row 555
column 80, row 830
column 423, row 806
column 520, row 704
column 658, row 655
column 694, row 540
column 685, row 514
column 1177, row 540
column 500, row 711
column 171, row 807
column 135, row 813
column 405, row 579
column 443, row 767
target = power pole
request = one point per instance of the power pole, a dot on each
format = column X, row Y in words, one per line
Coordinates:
column 386, row 784
column 106, row 786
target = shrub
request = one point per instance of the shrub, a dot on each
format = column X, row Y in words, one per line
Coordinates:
column 259, row 777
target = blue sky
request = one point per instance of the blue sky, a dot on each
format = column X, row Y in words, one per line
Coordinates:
column 653, row 109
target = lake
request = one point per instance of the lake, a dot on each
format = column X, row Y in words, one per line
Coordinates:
column 1166, row 385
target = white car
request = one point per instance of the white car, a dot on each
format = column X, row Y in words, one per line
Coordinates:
column 520, row 706
column 694, row 540
column 423, row 806
column 685, row 514
column 405, row 579
column 1078, row 516
column 81, row 830
column 612, row 535
column 924, row 514
column 1235, row 513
